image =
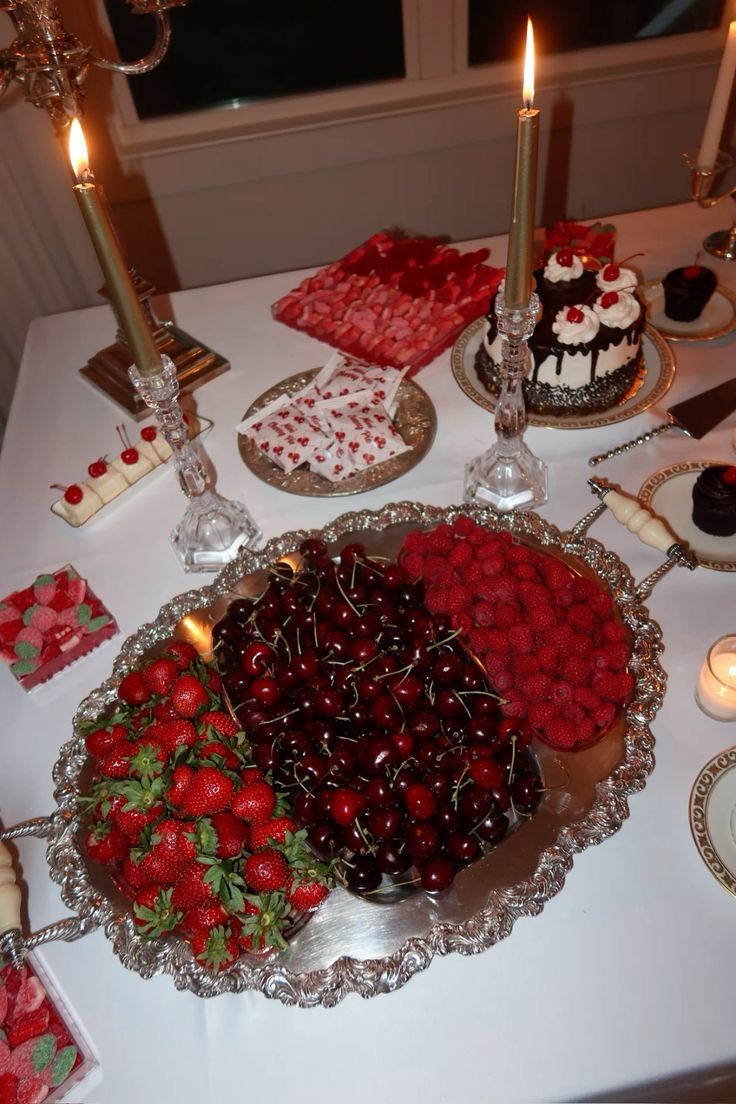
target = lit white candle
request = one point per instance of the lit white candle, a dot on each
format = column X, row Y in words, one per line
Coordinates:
column 716, row 689
column 719, row 104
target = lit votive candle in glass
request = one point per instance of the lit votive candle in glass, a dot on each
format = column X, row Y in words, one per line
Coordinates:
column 716, row 689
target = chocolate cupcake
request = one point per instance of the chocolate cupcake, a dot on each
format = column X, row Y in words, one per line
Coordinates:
column 686, row 292
column 714, row 500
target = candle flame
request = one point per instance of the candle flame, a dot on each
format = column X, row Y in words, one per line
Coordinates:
column 78, row 150
column 529, row 66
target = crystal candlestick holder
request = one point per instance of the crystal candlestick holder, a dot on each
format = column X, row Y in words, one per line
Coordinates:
column 213, row 528
column 509, row 476
column 721, row 243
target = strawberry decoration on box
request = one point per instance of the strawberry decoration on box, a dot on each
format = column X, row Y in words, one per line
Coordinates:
column 394, row 300
column 50, row 624
column 594, row 244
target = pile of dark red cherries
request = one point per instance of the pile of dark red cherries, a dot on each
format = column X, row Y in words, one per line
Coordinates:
column 381, row 731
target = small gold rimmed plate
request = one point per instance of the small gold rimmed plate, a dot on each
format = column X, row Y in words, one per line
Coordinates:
column 717, row 320
column 669, row 493
column 713, row 817
column 652, row 382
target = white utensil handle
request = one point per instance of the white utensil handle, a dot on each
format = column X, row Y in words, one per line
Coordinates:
column 648, row 528
column 9, row 893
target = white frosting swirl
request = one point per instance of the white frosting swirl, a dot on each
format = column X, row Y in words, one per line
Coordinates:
column 625, row 281
column 558, row 273
column 576, row 333
column 619, row 315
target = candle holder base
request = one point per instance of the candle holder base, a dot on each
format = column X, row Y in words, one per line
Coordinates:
column 722, row 244
column 212, row 531
column 506, row 482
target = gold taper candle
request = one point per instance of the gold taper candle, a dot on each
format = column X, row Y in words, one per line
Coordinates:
column 120, row 287
column 521, row 233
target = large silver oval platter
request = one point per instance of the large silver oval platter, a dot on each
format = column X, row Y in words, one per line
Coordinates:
column 354, row 945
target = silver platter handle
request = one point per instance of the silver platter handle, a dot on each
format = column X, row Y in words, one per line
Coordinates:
column 12, row 941
column 640, row 440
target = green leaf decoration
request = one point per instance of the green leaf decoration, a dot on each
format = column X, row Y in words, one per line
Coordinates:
column 23, row 667
column 25, row 650
column 83, row 614
column 43, row 1052
column 28, row 615
column 45, row 580
column 97, row 623
column 63, row 1065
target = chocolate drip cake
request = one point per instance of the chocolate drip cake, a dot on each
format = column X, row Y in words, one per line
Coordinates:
column 714, row 500
column 586, row 346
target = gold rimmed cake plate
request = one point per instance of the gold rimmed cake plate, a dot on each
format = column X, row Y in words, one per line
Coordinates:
column 669, row 493
column 717, row 320
column 713, row 817
column 415, row 419
column 652, row 382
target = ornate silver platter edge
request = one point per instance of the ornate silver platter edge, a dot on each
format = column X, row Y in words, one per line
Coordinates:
column 493, row 922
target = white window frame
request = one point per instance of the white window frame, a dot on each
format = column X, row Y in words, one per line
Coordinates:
column 437, row 76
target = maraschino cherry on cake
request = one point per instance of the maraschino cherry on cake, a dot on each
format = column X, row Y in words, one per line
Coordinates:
column 77, row 504
column 131, row 463
column 105, row 480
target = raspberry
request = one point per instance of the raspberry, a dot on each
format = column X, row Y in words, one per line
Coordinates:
column 494, row 664
column 521, row 638
column 415, row 542
column 458, row 599
column 504, row 680
column 584, row 589
column 500, row 588
column 542, row 713
column 496, row 641
column 600, row 659
column 524, row 571
column 585, row 730
column 573, row 712
column 626, row 684
column 538, row 688
column 489, row 547
column 436, row 570
column 473, row 574
column 484, row 613
column 601, row 603
column 493, row 564
column 608, row 686
column 507, row 614
column 461, row 555
column 518, row 553
column 542, row 617
column 514, row 705
column 440, row 540
column 582, row 618
column 413, row 564
column 436, row 601
column 613, row 632
column 618, row 655
column 556, row 574
column 464, row 526
column 564, row 597
column 576, row 671
column 582, row 646
column 604, row 715
column 560, row 733
column 562, row 692
column 562, row 637
column 525, row 664
column 534, row 594
column 462, row 621
column 549, row 657
column 586, row 697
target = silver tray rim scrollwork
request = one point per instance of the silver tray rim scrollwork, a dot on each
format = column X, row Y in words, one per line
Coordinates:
column 368, row 977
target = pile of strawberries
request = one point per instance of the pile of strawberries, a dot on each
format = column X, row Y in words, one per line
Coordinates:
column 393, row 300
column 195, row 833
column 547, row 636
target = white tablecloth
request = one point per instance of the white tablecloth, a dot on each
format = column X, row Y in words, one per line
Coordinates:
column 629, row 973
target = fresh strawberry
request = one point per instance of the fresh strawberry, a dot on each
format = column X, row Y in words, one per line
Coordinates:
column 188, row 696
column 191, row 888
column 147, row 757
column 268, row 832
column 210, row 791
column 305, row 896
column 160, row 675
column 116, row 763
column 266, row 871
column 142, row 806
column 202, row 918
column 251, row 774
column 105, row 843
column 177, row 733
column 153, row 911
column 164, row 711
column 233, row 834
column 133, row 689
column 182, row 653
column 171, row 851
column 130, row 871
column 215, row 748
column 220, row 721
column 101, row 742
column 215, row 949
column 254, row 803
column 181, row 779
column 261, row 921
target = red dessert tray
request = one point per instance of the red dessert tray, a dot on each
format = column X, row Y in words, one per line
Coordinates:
column 394, row 300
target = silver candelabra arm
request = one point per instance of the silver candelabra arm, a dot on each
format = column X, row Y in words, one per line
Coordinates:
column 154, row 56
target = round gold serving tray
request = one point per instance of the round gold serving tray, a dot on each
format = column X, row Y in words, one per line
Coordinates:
column 713, row 817
column 415, row 419
column 652, row 382
column 669, row 493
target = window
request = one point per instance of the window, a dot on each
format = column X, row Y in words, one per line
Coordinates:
column 231, row 52
column 496, row 27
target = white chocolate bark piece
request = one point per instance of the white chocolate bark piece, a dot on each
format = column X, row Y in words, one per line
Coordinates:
column 133, row 472
column 146, row 449
column 77, row 513
column 162, row 446
column 107, row 486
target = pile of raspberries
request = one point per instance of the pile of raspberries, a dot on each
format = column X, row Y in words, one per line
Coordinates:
column 547, row 636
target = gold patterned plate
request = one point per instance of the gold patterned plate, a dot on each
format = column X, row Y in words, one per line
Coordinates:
column 652, row 382
column 669, row 493
column 415, row 419
column 717, row 320
column 713, row 817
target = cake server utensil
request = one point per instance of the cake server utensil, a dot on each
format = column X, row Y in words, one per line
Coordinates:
column 695, row 417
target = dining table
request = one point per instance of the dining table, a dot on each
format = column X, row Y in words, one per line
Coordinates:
column 622, row 987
